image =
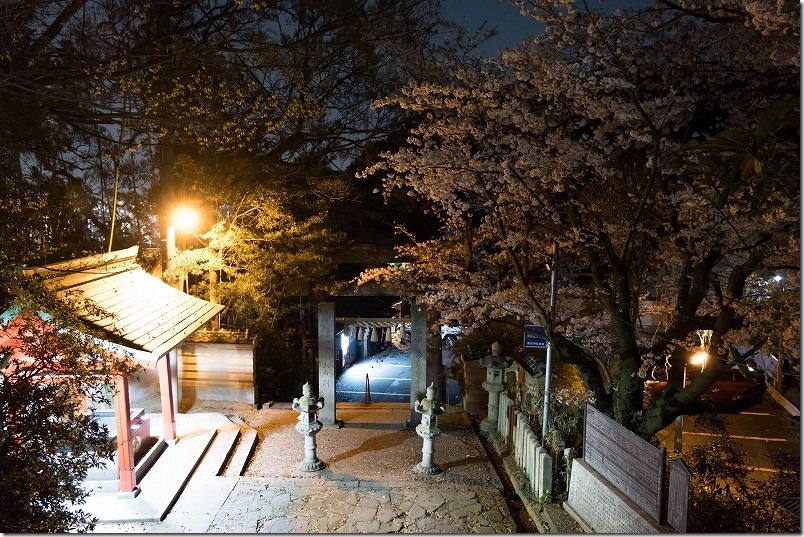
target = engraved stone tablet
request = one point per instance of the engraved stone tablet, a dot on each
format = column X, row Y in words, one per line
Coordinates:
column 631, row 464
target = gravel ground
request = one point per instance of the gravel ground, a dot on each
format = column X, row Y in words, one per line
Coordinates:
column 378, row 447
column 562, row 522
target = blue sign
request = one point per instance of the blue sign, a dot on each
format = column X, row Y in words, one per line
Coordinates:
column 535, row 338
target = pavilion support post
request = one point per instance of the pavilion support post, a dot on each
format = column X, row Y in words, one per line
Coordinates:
column 125, row 448
column 166, row 392
column 418, row 360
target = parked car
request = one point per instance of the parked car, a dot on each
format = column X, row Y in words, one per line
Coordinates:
column 732, row 392
column 449, row 336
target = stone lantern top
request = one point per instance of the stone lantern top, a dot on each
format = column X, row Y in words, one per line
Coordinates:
column 496, row 360
column 307, row 401
column 429, row 406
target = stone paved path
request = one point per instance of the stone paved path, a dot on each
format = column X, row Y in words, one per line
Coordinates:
column 293, row 506
column 368, row 485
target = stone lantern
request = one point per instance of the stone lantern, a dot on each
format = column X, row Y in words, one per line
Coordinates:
column 308, row 406
column 429, row 408
column 495, row 365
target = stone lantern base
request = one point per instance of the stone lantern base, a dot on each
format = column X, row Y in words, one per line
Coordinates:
column 313, row 466
column 427, row 470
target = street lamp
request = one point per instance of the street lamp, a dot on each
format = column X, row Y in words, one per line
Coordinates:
column 185, row 219
column 699, row 358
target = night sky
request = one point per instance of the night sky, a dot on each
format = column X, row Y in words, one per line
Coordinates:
column 513, row 27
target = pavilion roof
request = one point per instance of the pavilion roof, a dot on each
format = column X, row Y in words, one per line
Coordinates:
column 137, row 310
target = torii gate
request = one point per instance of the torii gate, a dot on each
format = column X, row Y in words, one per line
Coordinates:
column 326, row 357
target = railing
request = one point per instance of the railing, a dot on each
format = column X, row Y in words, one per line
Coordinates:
column 514, row 427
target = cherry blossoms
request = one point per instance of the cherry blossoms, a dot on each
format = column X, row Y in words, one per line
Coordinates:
column 658, row 147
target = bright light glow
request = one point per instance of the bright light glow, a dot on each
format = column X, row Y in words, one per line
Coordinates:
column 186, row 219
column 344, row 343
column 699, row 358
column 777, row 278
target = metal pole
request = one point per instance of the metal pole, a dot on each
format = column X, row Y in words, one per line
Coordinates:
column 549, row 364
column 677, row 445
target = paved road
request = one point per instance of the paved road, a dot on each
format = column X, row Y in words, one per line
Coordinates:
column 760, row 430
column 389, row 378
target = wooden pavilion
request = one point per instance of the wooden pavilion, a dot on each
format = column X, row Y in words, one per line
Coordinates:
column 142, row 317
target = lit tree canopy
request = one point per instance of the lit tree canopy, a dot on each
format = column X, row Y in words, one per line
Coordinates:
column 658, row 147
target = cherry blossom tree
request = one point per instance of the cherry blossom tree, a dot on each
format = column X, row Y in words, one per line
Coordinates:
column 657, row 147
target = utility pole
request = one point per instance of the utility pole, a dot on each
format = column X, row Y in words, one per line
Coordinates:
column 552, row 317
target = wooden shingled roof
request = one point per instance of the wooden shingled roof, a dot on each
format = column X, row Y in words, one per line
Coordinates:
column 139, row 311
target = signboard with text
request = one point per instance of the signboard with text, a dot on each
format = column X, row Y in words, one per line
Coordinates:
column 535, row 337
column 630, row 463
column 678, row 495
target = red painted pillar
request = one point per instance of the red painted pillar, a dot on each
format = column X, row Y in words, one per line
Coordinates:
column 166, row 391
column 125, row 449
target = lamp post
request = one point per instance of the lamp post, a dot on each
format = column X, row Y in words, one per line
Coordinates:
column 697, row 358
column 185, row 219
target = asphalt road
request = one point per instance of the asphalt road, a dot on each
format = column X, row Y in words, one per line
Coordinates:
column 760, row 430
column 389, row 378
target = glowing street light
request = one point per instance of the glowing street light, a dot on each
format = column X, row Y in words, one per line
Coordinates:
column 185, row 218
column 699, row 358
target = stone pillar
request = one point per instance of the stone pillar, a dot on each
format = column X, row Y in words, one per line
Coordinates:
column 418, row 358
column 125, row 448
column 326, row 360
column 429, row 408
column 475, row 397
column 435, row 368
column 495, row 365
column 166, row 394
column 307, row 406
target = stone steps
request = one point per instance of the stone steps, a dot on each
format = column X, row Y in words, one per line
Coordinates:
column 219, row 452
column 159, row 488
column 246, row 447
column 230, row 452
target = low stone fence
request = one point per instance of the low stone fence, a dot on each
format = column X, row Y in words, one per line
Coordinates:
column 528, row 455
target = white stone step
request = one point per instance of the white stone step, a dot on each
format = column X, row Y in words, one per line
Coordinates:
column 219, row 452
column 237, row 464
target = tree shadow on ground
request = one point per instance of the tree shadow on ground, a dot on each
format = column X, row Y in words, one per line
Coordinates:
column 375, row 444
